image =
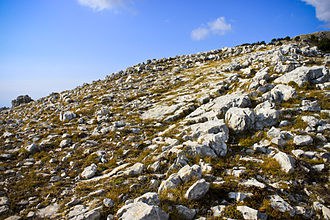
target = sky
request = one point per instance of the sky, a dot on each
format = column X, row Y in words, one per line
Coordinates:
column 53, row 45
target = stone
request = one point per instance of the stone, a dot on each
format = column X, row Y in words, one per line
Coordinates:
column 302, row 140
column 319, row 167
column 277, row 203
column 80, row 212
column 141, row 211
column 301, row 75
column 265, row 115
column 253, row 183
column 251, row 214
column 32, row 148
column 160, row 111
column 89, row 171
column 197, row 190
column 218, row 210
column 320, row 207
column 134, row 170
column 150, row 198
column 108, row 202
column 311, row 120
column 286, row 162
column 171, row 182
column 67, row 116
column 22, row 99
column 48, row 211
column 312, row 106
column 13, row 217
column 187, row 173
column 4, row 200
column 185, row 213
column 240, row 119
column 215, row 142
column 238, row 196
column 65, row 143
column 280, row 93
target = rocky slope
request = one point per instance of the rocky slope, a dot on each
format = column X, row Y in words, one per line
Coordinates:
column 239, row 132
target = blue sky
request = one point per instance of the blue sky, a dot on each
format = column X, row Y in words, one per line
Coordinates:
column 54, row 45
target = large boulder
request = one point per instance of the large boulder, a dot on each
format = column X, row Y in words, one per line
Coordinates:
column 135, row 170
column 266, row 115
column 141, row 211
column 150, row 198
column 240, row 119
column 280, row 93
column 279, row 204
column 302, row 75
column 197, row 190
column 22, row 99
column 302, row 140
column 171, row 182
column 187, row 173
column 286, row 162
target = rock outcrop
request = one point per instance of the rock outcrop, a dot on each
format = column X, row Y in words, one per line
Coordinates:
column 233, row 133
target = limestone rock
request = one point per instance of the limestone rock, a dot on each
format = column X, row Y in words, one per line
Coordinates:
column 251, row 214
column 187, row 173
column 197, row 190
column 302, row 75
column 240, row 119
column 67, row 116
column 150, row 198
column 135, row 170
column 141, row 211
column 171, row 182
column 266, row 115
column 286, row 162
column 302, row 140
column 281, row 205
column 89, row 171
column 185, row 212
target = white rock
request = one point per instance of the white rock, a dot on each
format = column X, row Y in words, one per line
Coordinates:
column 150, row 198
column 217, row 210
column 281, row 205
column 302, row 140
column 185, row 213
column 240, row 119
column 141, row 211
column 135, row 170
column 197, row 190
column 4, row 201
column 266, row 115
column 253, row 182
column 301, row 75
column 89, row 171
column 308, row 105
column 286, row 162
column 251, row 214
column 238, row 196
column 187, row 173
column 67, row 116
column 31, row 148
column 280, row 93
column 171, row 182
column 48, row 211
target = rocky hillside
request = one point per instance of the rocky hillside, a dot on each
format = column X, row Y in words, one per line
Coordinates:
column 240, row 133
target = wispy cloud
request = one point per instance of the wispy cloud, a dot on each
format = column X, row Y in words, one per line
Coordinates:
column 100, row 5
column 322, row 8
column 217, row 27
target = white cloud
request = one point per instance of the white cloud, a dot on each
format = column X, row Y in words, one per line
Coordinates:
column 199, row 33
column 217, row 27
column 99, row 5
column 322, row 8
